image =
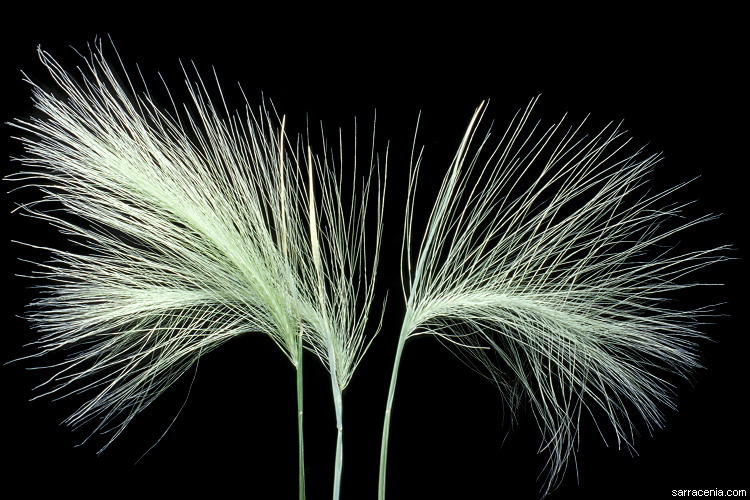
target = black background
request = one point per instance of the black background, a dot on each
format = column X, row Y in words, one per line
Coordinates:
column 673, row 78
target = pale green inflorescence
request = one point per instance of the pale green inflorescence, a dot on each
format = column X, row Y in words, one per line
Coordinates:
column 190, row 229
column 546, row 265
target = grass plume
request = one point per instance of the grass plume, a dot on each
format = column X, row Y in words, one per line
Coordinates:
column 547, row 266
column 187, row 229
column 546, row 263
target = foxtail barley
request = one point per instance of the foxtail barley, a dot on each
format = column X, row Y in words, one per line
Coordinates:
column 545, row 263
column 188, row 229
column 541, row 266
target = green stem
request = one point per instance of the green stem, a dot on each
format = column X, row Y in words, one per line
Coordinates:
column 338, row 403
column 300, row 436
column 332, row 351
column 389, row 406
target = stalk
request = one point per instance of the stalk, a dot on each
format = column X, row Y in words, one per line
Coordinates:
column 331, row 348
column 424, row 253
column 338, row 403
column 389, row 406
column 300, row 346
column 300, row 436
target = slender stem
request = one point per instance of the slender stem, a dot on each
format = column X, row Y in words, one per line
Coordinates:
column 330, row 346
column 425, row 250
column 389, row 405
column 300, row 346
column 300, row 436
column 338, row 403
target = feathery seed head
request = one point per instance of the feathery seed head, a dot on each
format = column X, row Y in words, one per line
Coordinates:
column 190, row 229
column 543, row 266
